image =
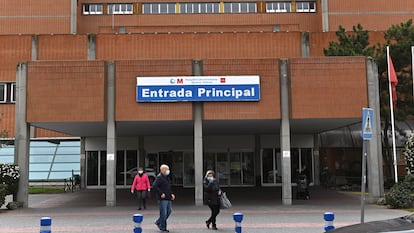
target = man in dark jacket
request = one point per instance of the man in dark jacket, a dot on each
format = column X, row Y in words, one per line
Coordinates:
column 162, row 187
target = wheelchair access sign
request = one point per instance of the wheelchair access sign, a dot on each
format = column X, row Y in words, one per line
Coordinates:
column 367, row 123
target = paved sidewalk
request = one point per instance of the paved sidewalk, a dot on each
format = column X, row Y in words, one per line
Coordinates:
column 85, row 211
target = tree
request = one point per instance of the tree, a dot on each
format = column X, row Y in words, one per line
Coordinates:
column 399, row 38
column 350, row 44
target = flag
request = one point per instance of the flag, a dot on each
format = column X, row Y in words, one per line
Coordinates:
column 393, row 80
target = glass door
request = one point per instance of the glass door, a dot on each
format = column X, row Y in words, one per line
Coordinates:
column 174, row 159
column 126, row 167
column 248, row 177
column 92, row 168
column 131, row 165
column 235, row 168
column 223, row 169
column 120, row 168
column 272, row 165
column 188, row 169
column 232, row 168
column 102, row 170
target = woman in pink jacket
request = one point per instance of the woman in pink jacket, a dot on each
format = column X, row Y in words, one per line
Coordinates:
column 141, row 185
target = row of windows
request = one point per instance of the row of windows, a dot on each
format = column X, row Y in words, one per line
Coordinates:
column 118, row 8
column 196, row 8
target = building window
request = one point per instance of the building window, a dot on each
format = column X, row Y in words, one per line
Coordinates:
column 92, row 9
column 158, row 8
column 199, row 8
column 120, row 9
column 278, row 7
column 3, row 92
column 240, row 7
column 305, row 7
column 13, row 93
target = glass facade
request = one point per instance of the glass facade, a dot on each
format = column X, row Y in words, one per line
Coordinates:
column 49, row 160
column 271, row 160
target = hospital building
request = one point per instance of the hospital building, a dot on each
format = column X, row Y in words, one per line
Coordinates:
column 240, row 87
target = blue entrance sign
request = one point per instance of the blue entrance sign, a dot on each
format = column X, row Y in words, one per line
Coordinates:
column 198, row 88
column 367, row 123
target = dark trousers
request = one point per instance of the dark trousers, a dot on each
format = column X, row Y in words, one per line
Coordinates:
column 215, row 210
column 141, row 195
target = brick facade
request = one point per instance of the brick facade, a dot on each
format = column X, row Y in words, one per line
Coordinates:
column 177, row 39
column 75, row 91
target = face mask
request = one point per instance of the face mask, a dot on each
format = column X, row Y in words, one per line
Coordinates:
column 140, row 172
column 167, row 172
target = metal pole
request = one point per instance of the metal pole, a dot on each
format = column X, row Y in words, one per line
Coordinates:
column 412, row 65
column 363, row 178
column 394, row 150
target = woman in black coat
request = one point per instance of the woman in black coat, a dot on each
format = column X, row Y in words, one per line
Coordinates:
column 212, row 194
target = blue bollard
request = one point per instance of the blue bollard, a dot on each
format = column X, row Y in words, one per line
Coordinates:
column 329, row 217
column 238, row 218
column 137, row 218
column 45, row 225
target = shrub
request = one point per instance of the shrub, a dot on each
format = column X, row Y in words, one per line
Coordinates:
column 399, row 196
column 3, row 189
column 9, row 175
column 409, row 179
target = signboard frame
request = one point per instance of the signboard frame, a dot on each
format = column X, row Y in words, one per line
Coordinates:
column 198, row 88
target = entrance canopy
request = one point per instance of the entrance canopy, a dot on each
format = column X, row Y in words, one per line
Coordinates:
column 185, row 128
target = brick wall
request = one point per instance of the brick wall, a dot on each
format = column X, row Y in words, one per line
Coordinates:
column 328, row 87
column 127, row 109
column 198, row 46
column 62, row 47
column 372, row 15
column 320, row 40
column 269, row 105
column 320, row 88
column 34, row 16
column 13, row 49
column 60, row 91
column 7, row 119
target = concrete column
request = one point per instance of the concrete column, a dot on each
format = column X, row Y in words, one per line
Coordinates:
column 83, row 162
column 91, row 47
column 22, row 138
column 285, row 133
column 110, row 136
column 73, row 16
column 35, row 46
column 374, row 150
column 197, row 68
column 325, row 16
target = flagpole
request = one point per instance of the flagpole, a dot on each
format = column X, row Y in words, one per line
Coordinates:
column 394, row 150
column 412, row 65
